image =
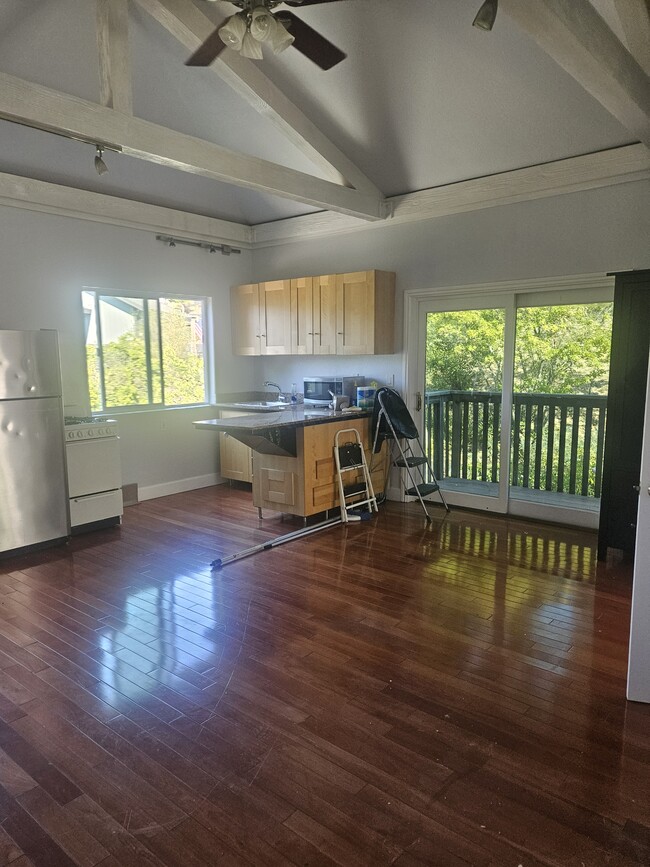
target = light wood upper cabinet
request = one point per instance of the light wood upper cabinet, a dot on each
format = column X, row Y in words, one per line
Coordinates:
column 365, row 313
column 335, row 314
column 261, row 318
column 275, row 317
column 313, row 315
column 245, row 318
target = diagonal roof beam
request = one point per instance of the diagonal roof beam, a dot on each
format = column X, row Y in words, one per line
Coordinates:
column 634, row 15
column 34, row 105
column 191, row 27
column 114, row 55
column 577, row 38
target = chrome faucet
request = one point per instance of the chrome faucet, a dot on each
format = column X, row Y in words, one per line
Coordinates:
column 275, row 385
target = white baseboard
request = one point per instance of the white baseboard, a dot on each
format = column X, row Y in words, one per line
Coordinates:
column 179, row 486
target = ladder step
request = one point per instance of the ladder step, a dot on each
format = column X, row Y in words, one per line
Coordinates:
column 358, row 488
column 423, row 490
column 412, row 461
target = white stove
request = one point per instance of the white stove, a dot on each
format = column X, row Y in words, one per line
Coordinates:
column 92, row 450
column 89, row 428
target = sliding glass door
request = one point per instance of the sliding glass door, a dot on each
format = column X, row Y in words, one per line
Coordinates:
column 511, row 399
column 466, row 360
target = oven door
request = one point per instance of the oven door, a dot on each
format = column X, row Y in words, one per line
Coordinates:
column 93, row 466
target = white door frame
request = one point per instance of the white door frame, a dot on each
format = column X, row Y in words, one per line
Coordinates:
column 581, row 288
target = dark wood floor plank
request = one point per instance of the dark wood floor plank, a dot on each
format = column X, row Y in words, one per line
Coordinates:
column 389, row 692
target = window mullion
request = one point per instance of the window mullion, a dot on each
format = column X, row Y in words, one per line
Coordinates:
column 100, row 353
column 147, row 352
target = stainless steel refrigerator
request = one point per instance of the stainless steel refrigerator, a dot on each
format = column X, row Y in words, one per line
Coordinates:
column 33, row 483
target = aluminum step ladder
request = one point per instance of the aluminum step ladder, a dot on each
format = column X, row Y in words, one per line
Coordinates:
column 392, row 421
column 350, row 457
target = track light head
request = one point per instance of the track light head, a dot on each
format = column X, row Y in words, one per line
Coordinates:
column 100, row 166
column 486, row 15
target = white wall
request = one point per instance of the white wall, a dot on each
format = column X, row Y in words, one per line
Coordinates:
column 589, row 232
column 47, row 260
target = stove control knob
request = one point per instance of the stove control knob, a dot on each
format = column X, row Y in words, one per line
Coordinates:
column 80, row 434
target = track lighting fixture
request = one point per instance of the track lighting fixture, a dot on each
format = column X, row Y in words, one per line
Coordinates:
column 100, row 166
column 224, row 249
column 486, row 15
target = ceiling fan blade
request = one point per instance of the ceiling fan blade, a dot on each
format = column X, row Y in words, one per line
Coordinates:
column 310, row 43
column 208, row 51
column 307, row 2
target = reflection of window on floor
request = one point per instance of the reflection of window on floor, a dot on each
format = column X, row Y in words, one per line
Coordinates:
column 144, row 352
column 559, row 401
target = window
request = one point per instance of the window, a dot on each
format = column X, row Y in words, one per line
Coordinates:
column 143, row 351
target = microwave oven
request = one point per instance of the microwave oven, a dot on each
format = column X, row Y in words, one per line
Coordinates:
column 316, row 389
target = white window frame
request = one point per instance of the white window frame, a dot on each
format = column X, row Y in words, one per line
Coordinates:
column 208, row 350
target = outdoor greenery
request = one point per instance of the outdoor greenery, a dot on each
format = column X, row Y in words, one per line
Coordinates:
column 559, row 350
column 124, row 356
column 562, row 349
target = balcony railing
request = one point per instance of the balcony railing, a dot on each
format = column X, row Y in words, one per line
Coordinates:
column 557, row 440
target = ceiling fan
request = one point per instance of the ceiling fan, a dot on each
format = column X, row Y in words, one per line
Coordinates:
column 257, row 23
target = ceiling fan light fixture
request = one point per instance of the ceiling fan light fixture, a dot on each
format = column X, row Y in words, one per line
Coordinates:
column 232, row 33
column 262, row 24
column 100, row 166
column 251, row 48
column 486, row 15
column 281, row 39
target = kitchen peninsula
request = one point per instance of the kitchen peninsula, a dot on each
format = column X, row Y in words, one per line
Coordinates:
column 293, row 457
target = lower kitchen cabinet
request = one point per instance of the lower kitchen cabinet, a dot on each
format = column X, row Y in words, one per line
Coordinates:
column 235, row 459
column 306, row 485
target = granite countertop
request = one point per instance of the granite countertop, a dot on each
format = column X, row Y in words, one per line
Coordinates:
column 299, row 416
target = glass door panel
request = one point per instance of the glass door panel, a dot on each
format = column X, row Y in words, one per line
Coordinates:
column 462, row 408
column 560, row 404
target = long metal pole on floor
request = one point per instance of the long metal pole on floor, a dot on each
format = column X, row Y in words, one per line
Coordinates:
column 273, row 543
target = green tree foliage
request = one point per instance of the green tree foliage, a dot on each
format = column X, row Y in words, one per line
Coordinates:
column 465, row 350
column 559, row 350
column 125, row 359
column 563, row 349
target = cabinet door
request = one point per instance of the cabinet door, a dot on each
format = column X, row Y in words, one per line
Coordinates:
column 275, row 318
column 245, row 318
column 324, row 315
column 355, row 313
column 235, row 458
column 302, row 332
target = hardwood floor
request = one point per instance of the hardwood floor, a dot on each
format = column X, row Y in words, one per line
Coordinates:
column 385, row 693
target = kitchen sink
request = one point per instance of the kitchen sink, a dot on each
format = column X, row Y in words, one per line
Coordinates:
column 263, row 405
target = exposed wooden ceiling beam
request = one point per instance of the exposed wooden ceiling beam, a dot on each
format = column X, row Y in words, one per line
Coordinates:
column 634, row 15
column 191, row 27
column 34, row 105
column 591, row 171
column 41, row 196
column 587, row 172
column 577, row 38
column 114, row 55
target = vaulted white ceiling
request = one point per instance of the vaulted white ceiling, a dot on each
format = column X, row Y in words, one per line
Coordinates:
column 423, row 100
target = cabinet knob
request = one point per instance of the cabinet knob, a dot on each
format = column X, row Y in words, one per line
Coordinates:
column 310, row 333
column 636, row 488
column 340, row 332
column 317, row 333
